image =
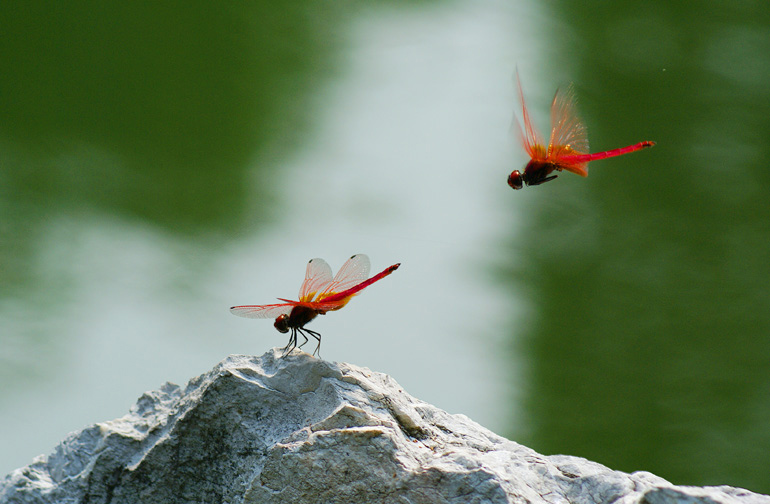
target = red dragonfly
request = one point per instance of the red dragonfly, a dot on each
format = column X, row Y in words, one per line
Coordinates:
column 567, row 148
column 318, row 294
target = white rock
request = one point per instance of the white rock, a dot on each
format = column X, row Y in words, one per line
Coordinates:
column 298, row 429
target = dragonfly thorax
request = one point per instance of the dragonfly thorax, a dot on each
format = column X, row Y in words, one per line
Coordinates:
column 535, row 173
column 297, row 318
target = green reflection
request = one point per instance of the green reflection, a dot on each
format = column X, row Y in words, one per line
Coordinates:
column 649, row 348
column 150, row 111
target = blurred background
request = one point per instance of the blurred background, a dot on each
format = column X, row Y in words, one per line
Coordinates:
column 159, row 164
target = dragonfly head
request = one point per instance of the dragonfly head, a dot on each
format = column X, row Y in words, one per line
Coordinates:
column 516, row 180
column 282, row 323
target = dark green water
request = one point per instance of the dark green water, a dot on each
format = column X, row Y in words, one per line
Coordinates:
column 650, row 343
column 150, row 112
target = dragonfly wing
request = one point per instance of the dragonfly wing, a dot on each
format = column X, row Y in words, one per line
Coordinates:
column 530, row 137
column 569, row 136
column 339, row 299
column 318, row 276
column 323, row 307
column 354, row 271
column 262, row 311
column 576, row 167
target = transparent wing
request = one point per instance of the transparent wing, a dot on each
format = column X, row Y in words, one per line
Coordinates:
column 261, row 311
column 354, row 271
column 568, row 133
column 530, row 137
column 318, row 276
column 338, row 300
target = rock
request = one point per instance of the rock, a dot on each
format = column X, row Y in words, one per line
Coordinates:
column 298, row 429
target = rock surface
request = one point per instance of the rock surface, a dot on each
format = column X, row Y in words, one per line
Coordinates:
column 298, row 429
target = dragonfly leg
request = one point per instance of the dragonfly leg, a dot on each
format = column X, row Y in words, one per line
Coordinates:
column 292, row 344
column 303, row 335
column 543, row 181
column 318, row 337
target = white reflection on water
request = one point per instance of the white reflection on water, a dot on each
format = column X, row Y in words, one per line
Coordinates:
column 408, row 165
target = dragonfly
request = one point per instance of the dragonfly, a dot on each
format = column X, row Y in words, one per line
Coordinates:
column 319, row 293
column 568, row 147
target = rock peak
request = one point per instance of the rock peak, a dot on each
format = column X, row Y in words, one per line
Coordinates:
column 299, row 429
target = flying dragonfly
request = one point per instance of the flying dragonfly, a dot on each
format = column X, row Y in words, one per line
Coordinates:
column 319, row 293
column 568, row 147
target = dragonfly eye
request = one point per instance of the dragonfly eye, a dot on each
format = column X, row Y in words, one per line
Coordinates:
column 282, row 323
column 515, row 180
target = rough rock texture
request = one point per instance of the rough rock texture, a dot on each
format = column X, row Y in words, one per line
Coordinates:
column 298, row 429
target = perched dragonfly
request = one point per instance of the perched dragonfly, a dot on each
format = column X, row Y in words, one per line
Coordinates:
column 319, row 293
column 568, row 147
